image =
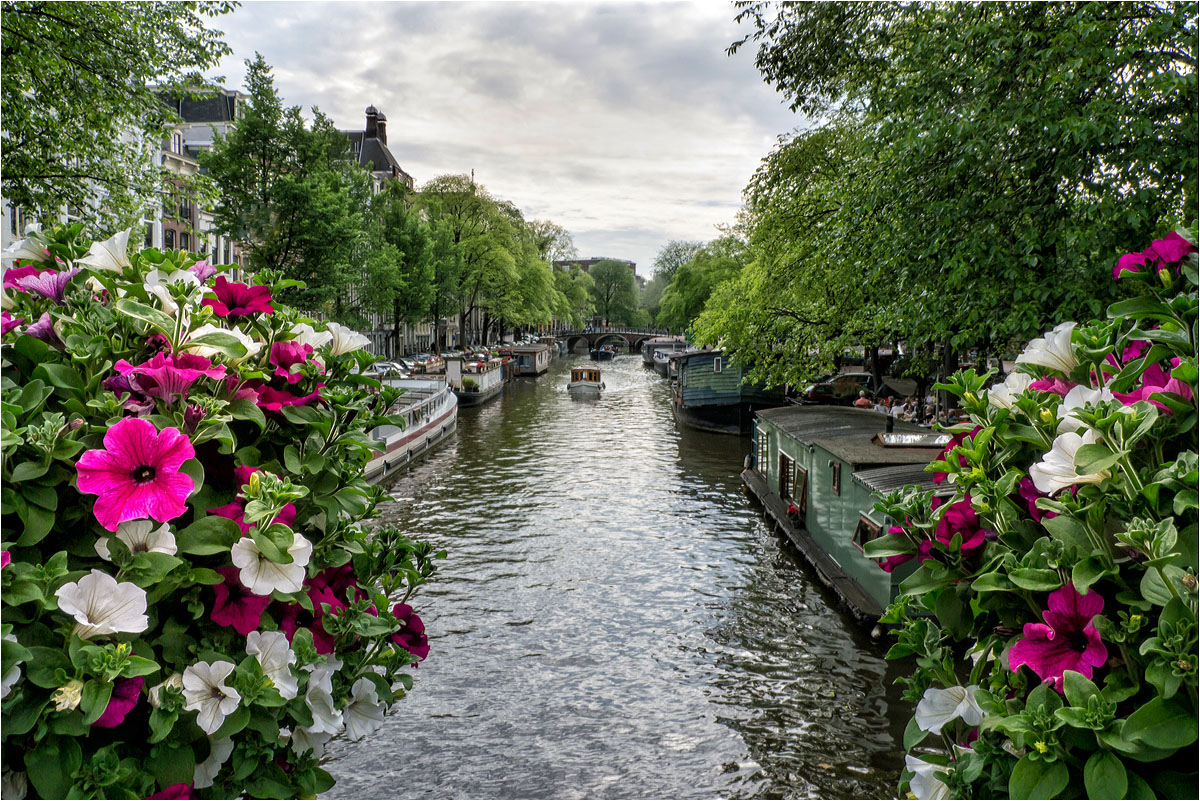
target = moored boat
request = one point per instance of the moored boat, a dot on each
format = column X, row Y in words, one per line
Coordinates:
column 430, row 412
column 428, row 364
column 585, row 382
column 651, row 347
column 829, row 464
column 532, row 359
column 474, row 380
column 711, row 395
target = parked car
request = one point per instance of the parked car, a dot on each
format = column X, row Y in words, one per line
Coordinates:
column 842, row 389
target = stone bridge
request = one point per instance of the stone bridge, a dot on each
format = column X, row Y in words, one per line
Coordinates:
column 607, row 335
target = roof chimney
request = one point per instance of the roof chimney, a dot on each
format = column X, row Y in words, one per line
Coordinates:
column 381, row 128
column 372, row 117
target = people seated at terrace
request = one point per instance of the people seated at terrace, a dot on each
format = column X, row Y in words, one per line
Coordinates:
column 863, row 401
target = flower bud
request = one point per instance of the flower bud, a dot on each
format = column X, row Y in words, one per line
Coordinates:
column 175, row 681
column 1047, row 416
column 1164, row 275
column 1189, row 581
column 68, row 696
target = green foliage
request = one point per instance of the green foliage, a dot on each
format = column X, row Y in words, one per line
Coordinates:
column 78, row 79
column 692, row 283
column 614, row 291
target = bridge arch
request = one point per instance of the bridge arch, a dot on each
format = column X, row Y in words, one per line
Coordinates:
column 601, row 339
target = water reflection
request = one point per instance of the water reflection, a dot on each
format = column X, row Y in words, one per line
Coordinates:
column 615, row 621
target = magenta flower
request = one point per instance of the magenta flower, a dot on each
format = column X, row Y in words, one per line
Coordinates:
column 170, row 376
column 203, row 270
column 1056, row 385
column 412, row 636
column 1068, row 640
column 137, row 473
column 296, row 617
column 1029, row 493
column 50, row 284
column 961, row 519
column 1129, row 263
column 125, row 695
column 236, row 510
column 286, row 355
column 43, row 329
column 273, row 400
column 14, row 274
column 954, row 442
column 1154, row 379
column 1162, row 252
column 235, row 605
column 5, row 558
column 175, row 791
column 239, row 300
column 8, row 323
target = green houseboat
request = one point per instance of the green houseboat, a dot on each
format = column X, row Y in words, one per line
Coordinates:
column 709, row 393
column 831, row 463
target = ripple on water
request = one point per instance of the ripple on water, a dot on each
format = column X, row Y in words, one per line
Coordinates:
column 614, row 621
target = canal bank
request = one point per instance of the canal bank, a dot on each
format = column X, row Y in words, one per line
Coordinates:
column 614, row 619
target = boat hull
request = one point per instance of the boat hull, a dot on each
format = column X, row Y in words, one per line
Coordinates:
column 477, row 398
column 585, row 390
column 412, row 443
column 602, row 355
column 719, row 418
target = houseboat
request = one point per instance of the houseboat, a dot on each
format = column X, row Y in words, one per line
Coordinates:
column 660, row 344
column 552, row 344
column 430, row 412
column 428, row 364
column 710, row 394
column 474, row 380
column 831, row 463
column 531, row 359
column 585, row 382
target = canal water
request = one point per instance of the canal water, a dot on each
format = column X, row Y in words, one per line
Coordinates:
column 615, row 620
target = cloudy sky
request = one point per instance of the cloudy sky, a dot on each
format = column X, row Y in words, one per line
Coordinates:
column 626, row 123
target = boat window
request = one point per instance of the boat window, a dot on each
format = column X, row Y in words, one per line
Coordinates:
column 867, row 530
column 760, row 451
column 835, row 473
column 785, row 476
column 716, row 364
column 800, row 490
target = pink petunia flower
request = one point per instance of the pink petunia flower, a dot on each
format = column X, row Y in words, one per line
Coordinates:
column 239, row 300
column 236, row 510
column 288, row 355
column 50, row 284
column 412, row 637
column 175, row 791
column 1029, row 493
column 43, row 329
column 203, row 270
column 954, row 442
column 1156, row 379
column 235, row 605
column 137, row 473
column 273, row 400
column 14, row 274
column 1055, row 385
column 170, row 376
column 5, row 558
column 8, row 322
column 1068, row 640
column 960, row 518
column 125, row 695
column 1162, row 252
column 296, row 617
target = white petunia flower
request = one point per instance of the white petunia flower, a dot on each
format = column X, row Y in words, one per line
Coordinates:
column 364, row 714
column 1076, row 399
column 157, row 284
column 10, row 676
column 68, row 696
column 251, row 345
column 6, row 302
column 924, row 785
column 173, row 682
column 940, row 706
column 101, row 605
column 1056, row 471
column 345, row 339
column 13, row 784
column 262, row 576
column 1003, row 396
column 307, row 335
column 141, row 537
column 319, row 698
column 205, row 690
column 304, row 739
column 276, row 657
column 1052, row 350
column 31, row 248
column 111, row 255
column 205, row 773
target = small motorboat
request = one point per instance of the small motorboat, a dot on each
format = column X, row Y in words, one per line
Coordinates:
column 585, row 382
column 602, row 354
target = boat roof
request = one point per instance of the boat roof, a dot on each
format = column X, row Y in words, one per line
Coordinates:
column 683, row 354
column 893, row 477
column 847, row 433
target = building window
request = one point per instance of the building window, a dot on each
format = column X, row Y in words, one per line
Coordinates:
column 176, row 142
column 785, row 476
column 800, row 490
column 168, row 239
column 835, row 476
column 185, row 240
column 185, row 208
column 867, row 530
column 760, row 451
column 149, row 234
column 228, row 253
column 716, row 364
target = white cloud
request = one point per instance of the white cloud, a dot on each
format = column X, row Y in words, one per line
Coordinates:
column 625, row 123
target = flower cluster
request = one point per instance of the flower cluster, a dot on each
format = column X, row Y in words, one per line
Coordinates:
column 1052, row 607
column 185, row 564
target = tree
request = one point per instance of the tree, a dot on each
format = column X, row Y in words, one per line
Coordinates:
column 291, row 195
column 554, row 243
column 693, row 283
column 410, row 289
column 674, row 255
column 614, row 290
column 82, row 119
column 1003, row 148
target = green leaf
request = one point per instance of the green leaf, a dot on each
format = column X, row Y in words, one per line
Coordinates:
column 1036, row 779
column 991, row 582
column 208, row 535
column 94, row 699
column 227, row 344
column 50, row 765
column 147, row 314
column 1138, row 788
column 1143, row 306
column 1035, row 579
column 235, row 722
column 1162, row 724
column 1104, row 776
column 171, row 763
column 914, row 735
column 1078, row 688
column 61, row 376
column 1095, row 458
column 27, row 471
column 244, row 409
column 1087, row 572
column 38, row 522
column 43, row 666
column 1068, row 531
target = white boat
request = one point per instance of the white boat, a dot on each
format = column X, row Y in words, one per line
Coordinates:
column 585, row 382
column 474, row 380
column 430, row 412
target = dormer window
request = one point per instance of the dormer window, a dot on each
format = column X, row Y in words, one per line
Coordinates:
column 176, row 142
